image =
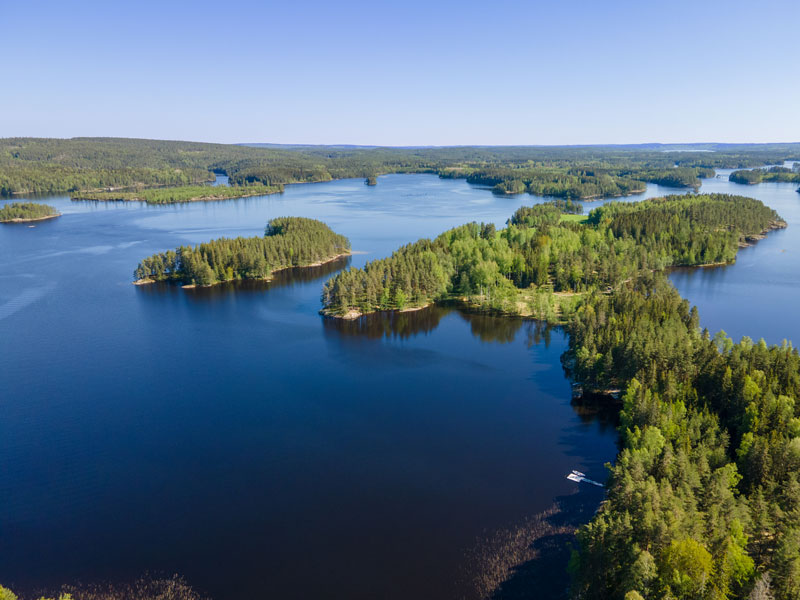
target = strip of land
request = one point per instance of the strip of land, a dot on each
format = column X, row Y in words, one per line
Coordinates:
column 174, row 195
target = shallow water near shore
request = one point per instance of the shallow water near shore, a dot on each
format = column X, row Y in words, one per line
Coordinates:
column 233, row 435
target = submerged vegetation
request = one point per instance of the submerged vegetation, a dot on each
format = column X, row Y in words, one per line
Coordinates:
column 36, row 165
column 146, row 588
column 287, row 242
column 173, row 195
column 18, row 212
column 704, row 499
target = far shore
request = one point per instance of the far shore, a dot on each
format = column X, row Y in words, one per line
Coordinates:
column 206, row 198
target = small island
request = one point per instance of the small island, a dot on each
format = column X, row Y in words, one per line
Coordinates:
column 24, row 212
column 186, row 193
column 371, row 180
column 287, row 242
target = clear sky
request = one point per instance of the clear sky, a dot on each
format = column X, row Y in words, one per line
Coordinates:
column 403, row 73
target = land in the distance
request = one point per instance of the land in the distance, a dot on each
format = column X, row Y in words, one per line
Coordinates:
column 81, row 165
column 774, row 174
column 173, row 195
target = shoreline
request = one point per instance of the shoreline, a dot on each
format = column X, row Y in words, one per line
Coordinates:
column 464, row 303
column 189, row 286
column 196, row 199
column 31, row 220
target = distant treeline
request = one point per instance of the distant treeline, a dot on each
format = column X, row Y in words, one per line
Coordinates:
column 603, row 181
column 26, row 211
column 172, row 195
column 570, row 183
column 27, row 178
column 287, row 242
column 36, row 165
column 540, row 253
column 754, row 176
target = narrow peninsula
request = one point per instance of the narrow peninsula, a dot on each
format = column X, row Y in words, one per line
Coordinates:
column 175, row 195
column 287, row 242
column 24, row 212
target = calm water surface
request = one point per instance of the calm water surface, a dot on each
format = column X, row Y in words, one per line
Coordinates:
column 233, row 435
column 758, row 296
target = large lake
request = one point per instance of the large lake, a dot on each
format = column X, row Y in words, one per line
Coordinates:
column 236, row 437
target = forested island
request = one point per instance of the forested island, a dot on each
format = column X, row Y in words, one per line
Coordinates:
column 704, row 499
column 287, row 242
column 753, row 176
column 22, row 212
column 580, row 182
column 174, row 195
column 80, row 165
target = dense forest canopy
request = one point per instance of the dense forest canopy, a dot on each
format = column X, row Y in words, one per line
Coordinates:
column 188, row 193
column 38, row 165
column 542, row 258
column 24, row 211
column 704, row 499
column 287, row 242
column 753, row 176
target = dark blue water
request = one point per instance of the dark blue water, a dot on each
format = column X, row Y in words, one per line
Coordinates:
column 236, row 437
column 758, row 296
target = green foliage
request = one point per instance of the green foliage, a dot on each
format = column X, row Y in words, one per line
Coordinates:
column 707, row 480
column 173, row 195
column 686, row 569
column 36, row 165
column 287, row 242
column 705, row 494
column 555, row 181
column 754, row 176
column 6, row 594
column 26, row 211
column 541, row 258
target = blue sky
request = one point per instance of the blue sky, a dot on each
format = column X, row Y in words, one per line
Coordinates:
column 410, row 73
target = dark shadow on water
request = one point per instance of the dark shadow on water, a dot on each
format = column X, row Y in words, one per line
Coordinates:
column 388, row 324
column 504, row 329
column 598, row 408
column 403, row 325
column 488, row 328
column 285, row 278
